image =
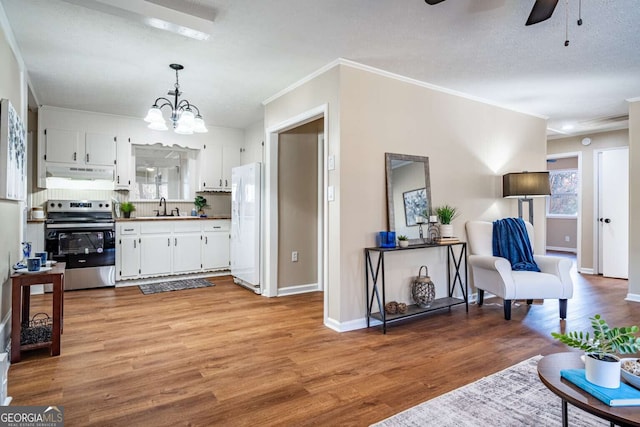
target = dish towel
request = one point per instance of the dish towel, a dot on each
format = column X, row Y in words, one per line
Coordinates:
column 511, row 241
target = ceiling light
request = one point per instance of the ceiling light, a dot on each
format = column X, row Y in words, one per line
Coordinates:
column 184, row 120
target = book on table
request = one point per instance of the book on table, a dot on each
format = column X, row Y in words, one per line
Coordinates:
column 625, row 395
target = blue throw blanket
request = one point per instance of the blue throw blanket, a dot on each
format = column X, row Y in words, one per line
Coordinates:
column 510, row 241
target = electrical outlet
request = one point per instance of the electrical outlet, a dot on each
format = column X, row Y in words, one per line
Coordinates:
column 567, row 239
column 294, row 256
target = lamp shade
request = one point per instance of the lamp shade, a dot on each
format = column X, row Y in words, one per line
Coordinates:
column 526, row 184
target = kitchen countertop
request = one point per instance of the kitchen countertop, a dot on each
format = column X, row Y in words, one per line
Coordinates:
column 165, row 218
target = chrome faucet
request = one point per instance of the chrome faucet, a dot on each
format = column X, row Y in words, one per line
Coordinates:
column 165, row 206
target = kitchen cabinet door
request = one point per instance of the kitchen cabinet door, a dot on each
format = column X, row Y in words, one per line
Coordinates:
column 230, row 159
column 100, row 149
column 128, row 257
column 155, row 255
column 210, row 168
column 62, row 146
column 186, row 253
column 123, row 164
column 215, row 250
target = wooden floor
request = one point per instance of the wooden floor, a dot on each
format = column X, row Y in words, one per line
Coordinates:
column 225, row 356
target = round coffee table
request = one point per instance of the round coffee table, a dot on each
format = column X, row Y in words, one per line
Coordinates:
column 549, row 368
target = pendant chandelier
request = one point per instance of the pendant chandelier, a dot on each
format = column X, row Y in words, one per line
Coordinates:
column 185, row 117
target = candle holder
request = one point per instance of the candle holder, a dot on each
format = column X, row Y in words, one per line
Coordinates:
column 433, row 232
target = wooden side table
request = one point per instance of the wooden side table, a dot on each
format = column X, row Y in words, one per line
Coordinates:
column 20, row 305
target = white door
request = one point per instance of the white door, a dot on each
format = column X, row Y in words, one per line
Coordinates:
column 614, row 213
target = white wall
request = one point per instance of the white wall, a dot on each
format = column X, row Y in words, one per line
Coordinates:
column 469, row 145
column 13, row 87
column 253, row 149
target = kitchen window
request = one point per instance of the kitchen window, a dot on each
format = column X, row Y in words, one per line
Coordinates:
column 163, row 172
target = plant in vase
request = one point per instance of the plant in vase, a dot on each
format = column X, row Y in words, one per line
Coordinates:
column 445, row 215
column 200, row 203
column 602, row 366
column 126, row 208
column 403, row 241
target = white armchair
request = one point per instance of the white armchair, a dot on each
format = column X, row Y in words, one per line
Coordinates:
column 493, row 274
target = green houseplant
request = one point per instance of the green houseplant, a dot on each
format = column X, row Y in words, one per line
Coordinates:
column 126, row 208
column 403, row 241
column 601, row 365
column 200, row 203
column 446, row 214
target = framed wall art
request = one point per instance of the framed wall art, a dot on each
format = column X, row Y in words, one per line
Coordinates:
column 13, row 154
column 415, row 205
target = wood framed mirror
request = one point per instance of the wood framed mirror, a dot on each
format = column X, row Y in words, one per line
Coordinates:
column 408, row 193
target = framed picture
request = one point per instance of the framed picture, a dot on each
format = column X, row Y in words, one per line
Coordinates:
column 415, row 205
column 13, row 154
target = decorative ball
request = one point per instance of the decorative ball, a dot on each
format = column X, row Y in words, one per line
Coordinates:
column 391, row 307
column 402, row 308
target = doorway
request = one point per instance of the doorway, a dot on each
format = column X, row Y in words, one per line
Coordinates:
column 271, row 260
column 564, row 206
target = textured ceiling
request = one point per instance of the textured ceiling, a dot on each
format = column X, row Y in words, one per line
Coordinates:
column 82, row 58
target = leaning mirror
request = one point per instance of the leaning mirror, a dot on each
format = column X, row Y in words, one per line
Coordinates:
column 408, row 194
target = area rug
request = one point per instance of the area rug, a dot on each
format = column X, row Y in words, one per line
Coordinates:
column 512, row 397
column 175, row 285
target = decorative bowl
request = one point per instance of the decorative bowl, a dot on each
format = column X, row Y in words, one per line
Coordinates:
column 631, row 378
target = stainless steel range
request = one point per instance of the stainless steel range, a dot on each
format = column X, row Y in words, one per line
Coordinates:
column 82, row 234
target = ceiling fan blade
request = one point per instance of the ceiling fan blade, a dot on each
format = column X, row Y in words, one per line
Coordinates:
column 542, row 10
column 432, row 2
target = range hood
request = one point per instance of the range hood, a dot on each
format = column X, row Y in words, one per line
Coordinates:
column 75, row 172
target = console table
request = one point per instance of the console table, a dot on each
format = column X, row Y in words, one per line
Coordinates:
column 20, row 305
column 375, row 276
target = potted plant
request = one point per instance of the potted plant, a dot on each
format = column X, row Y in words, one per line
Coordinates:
column 602, row 366
column 126, row 208
column 200, row 203
column 445, row 215
column 403, row 241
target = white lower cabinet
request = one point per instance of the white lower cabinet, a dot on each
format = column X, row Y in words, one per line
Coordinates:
column 166, row 247
column 215, row 245
column 187, row 236
column 127, row 251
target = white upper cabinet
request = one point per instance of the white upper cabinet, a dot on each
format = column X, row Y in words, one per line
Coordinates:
column 61, row 146
column 100, row 149
column 215, row 164
column 124, row 173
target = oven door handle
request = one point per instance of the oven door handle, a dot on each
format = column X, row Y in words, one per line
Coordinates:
column 92, row 225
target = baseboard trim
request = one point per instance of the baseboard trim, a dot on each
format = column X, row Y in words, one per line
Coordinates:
column 351, row 325
column 586, row 271
column 633, row 297
column 561, row 249
column 299, row 289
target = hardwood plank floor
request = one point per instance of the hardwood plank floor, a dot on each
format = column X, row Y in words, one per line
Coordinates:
column 225, row 356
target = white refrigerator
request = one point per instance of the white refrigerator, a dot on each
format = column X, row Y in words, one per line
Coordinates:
column 245, row 226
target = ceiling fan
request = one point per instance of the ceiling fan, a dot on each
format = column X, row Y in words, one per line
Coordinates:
column 541, row 11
